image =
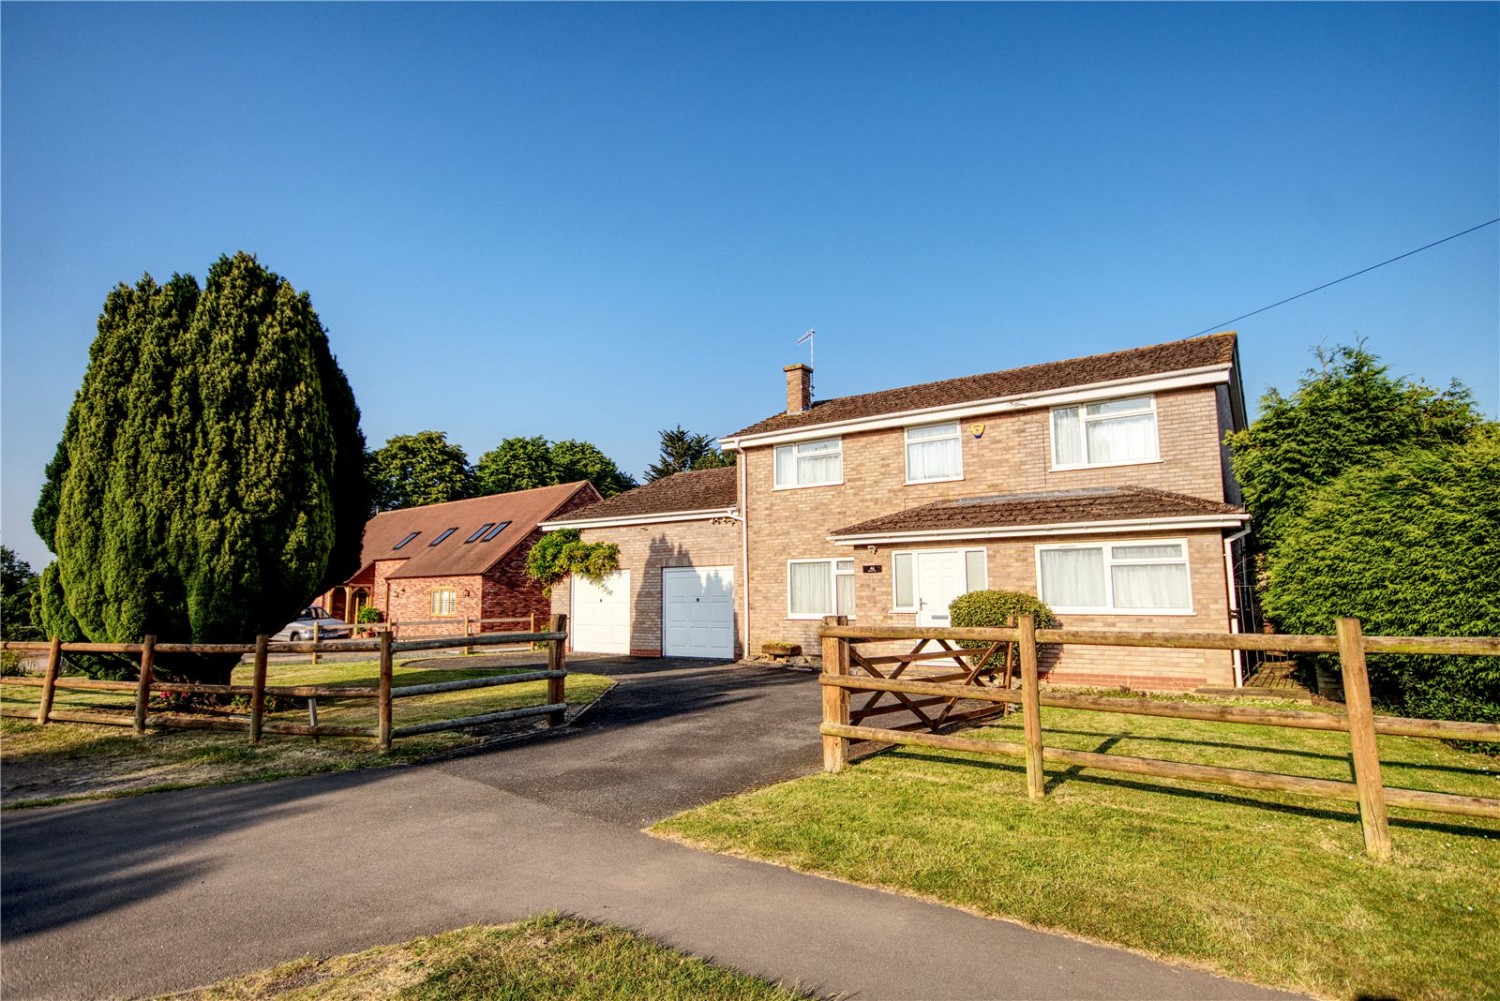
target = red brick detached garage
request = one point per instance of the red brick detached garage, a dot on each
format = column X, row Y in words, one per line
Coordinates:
column 460, row 559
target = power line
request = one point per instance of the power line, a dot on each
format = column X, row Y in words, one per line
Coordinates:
column 1283, row 302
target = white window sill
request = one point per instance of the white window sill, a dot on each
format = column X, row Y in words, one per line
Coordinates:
column 807, row 486
column 1063, row 610
column 946, row 479
column 815, row 618
column 1105, row 465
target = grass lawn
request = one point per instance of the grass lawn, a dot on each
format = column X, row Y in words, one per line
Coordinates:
column 1264, row 887
column 69, row 761
column 542, row 959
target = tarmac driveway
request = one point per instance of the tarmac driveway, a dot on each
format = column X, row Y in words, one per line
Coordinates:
column 167, row 891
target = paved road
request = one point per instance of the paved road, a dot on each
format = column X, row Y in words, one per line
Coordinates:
column 172, row 890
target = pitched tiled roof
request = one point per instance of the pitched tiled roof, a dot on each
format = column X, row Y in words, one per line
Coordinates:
column 1064, row 507
column 455, row 556
column 699, row 490
column 1159, row 359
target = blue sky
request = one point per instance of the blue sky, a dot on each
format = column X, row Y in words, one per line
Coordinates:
column 595, row 222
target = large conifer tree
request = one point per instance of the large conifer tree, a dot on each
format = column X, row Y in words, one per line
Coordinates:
column 210, row 477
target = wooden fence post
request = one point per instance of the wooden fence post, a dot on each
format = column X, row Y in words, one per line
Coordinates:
column 49, row 680
column 1031, row 709
column 557, row 655
column 1362, row 742
column 143, row 686
column 467, row 633
column 835, row 699
column 315, row 643
column 258, row 688
column 385, row 693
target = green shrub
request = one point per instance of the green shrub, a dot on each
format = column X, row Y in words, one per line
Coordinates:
column 1411, row 548
column 997, row 609
column 368, row 614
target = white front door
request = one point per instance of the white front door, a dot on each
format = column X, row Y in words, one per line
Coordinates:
column 600, row 621
column 940, row 579
column 697, row 612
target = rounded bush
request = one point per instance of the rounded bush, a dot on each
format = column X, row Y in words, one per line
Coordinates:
column 997, row 609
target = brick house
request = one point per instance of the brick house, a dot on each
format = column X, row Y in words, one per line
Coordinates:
column 462, row 559
column 1100, row 484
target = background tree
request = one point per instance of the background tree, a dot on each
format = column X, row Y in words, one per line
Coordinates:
column 580, row 460
column 210, row 477
column 411, row 470
column 525, row 463
column 516, row 464
column 683, row 450
column 1348, row 412
column 1412, row 548
column 18, row 585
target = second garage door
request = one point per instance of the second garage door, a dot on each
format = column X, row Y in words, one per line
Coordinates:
column 601, row 614
column 697, row 612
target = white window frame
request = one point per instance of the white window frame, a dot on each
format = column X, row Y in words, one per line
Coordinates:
column 963, row 553
column 796, row 450
column 1109, row 584
column 833, row 583
column 450, row 602
column 956, row 436
column 1083, row 432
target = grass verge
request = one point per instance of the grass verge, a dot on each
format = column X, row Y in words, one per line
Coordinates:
column 1259, row 886
column 545, row 959
column 62, row 762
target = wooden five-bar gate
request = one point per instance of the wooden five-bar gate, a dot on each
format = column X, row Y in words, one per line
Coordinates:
column 385, row 693
column 967, row 682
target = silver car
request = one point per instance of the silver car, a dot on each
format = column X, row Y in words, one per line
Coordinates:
column 301, row 628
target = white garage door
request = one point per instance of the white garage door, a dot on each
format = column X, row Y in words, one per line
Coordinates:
column 600, row 620
column 697, row 612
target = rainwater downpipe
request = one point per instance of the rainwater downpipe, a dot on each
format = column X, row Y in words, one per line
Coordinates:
column 1234, row 602
column 743, row 517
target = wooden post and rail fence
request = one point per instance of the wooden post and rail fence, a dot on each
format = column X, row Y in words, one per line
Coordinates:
column 554, row 638
column 841, row 652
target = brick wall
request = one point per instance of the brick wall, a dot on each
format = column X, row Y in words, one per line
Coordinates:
column 645, row 550
column 1013, row 455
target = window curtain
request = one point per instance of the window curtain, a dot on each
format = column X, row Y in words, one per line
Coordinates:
column 1067, row 437
column 820, row 462
column 810, row 585
column 1122, row 439
column 1151, row 585
column 843, row 581
column 1073, row 578
column 786, row 466
column 933, row 453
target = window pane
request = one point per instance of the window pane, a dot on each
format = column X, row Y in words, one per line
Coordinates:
column 826, row 445
column 1156, row 551
column 1162, row 585
column 974, row 570
column 1067, row 437
column 786, row 469
column 844, row 584
column 932, row 431
column 1122, row 439
column 934, row 460
column 809, row 587
column 902, row 572
column 1073, row 578
column 819, row 468
column 1120, row 406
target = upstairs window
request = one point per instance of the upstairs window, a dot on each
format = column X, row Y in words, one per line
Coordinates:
column 406, row 540
column 1112, row 433
column 495, row 531
column 934, row 453
column 810, row 463
column 440, row 538
column 482, row 529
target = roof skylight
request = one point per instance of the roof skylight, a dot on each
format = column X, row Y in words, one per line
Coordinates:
column 496, row 530
column 406, row 540
column 482, row 529
column 446, row 532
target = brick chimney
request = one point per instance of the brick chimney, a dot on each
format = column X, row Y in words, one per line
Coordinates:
column 798, row 388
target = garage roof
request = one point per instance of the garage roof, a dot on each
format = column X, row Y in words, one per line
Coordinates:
column 698, row 490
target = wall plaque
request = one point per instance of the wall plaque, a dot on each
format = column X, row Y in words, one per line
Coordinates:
column 872, row 568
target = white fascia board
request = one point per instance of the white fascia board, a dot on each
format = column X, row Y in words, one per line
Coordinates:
column 1209, row 375
column 640, row 519
column 1030, row 531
